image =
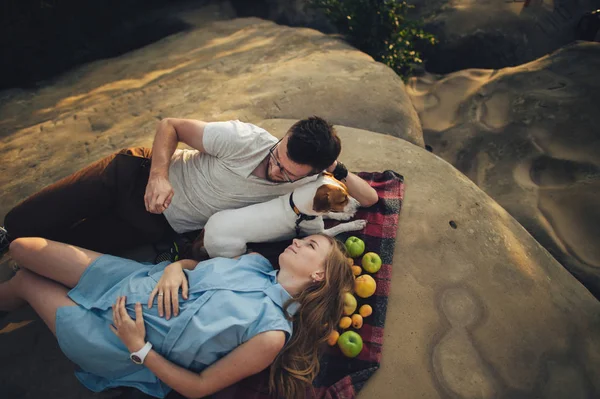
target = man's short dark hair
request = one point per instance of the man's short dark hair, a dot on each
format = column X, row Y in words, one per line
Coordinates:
column 313, row 142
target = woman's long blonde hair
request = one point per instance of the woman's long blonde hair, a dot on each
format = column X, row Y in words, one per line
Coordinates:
column 320, row 308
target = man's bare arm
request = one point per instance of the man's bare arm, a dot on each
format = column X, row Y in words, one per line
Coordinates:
column 169, row 132
column 358, row 188
column 361, row 190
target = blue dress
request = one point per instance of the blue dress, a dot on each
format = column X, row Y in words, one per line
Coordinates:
column 230, row 301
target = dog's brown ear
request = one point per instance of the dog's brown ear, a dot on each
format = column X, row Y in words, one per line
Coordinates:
column 325, row 173
column 321, row 201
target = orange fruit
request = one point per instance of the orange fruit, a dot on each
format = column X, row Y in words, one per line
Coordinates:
column 333, row 337
column 345, row 322
column 350, row 261
column 357, row 321
column 365, row 286
column 365, row 310
column 356, row 270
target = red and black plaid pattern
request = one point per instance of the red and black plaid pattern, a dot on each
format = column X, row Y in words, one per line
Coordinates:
column 341, row 377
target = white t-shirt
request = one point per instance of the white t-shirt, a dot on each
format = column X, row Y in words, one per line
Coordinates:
column 221, row 178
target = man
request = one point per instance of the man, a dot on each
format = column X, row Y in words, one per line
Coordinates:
column 140, row 196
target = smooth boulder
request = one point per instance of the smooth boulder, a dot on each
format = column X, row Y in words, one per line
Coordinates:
column 497, row 33
column 245, row 69
column 528, row 136
column 477, row 308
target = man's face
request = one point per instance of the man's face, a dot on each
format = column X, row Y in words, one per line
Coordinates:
column 281, row 169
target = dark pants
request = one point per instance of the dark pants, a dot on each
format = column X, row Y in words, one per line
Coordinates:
column 100, row 207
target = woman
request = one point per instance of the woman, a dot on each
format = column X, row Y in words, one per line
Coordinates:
column 214, row 323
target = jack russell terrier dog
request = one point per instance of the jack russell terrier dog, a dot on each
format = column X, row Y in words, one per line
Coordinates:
column 300, row 212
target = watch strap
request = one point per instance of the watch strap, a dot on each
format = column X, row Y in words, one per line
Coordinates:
column 138, row 357
column 340, row 172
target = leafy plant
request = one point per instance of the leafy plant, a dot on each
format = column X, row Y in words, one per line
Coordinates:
column 379, row 28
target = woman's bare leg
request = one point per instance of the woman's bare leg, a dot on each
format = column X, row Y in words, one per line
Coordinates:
column 44, row 296
column 10, row 298
column 59, row 262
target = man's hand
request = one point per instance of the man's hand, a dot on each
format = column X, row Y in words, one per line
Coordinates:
column 159, row 193
column 131, row 332
column 331, row 168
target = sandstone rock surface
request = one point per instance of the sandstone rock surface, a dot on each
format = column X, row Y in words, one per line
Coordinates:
column 480, row 311
column 476, row 311
column 245, row 69
column 285, row 12
column 497, row 33
column 528, row 136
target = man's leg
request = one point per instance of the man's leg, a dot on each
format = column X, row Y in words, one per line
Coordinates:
column 131, row 209
column 107, row 234
column 128, row 224
column 53, row 210
column 100, row 207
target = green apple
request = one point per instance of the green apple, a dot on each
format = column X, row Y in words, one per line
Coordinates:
column 355, row 246
column 350, row 303
column 350, row 343
column 371, row 262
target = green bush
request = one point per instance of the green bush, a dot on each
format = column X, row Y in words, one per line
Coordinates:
column 379, row 28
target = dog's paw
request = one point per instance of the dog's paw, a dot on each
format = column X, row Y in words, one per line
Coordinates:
column 359, row 224
column 342, row 217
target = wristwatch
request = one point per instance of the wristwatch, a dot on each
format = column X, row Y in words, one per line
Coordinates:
column 139, row 356
column 340, row 172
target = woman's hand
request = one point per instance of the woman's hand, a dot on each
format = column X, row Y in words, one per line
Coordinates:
column 167, row 290
column 131, row 332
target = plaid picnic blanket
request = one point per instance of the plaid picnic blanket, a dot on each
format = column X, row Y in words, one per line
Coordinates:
column 341, row 377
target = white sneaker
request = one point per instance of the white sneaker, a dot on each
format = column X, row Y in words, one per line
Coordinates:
column 4, row 242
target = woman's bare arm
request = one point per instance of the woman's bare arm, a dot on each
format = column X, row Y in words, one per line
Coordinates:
column 188, row 264
column 247, row 359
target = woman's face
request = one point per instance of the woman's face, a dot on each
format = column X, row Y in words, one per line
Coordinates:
column 306, row 257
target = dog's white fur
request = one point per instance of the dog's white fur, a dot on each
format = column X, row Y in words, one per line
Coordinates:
column 227, row 232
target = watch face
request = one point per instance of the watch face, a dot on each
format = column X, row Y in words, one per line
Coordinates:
column 136, row 359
